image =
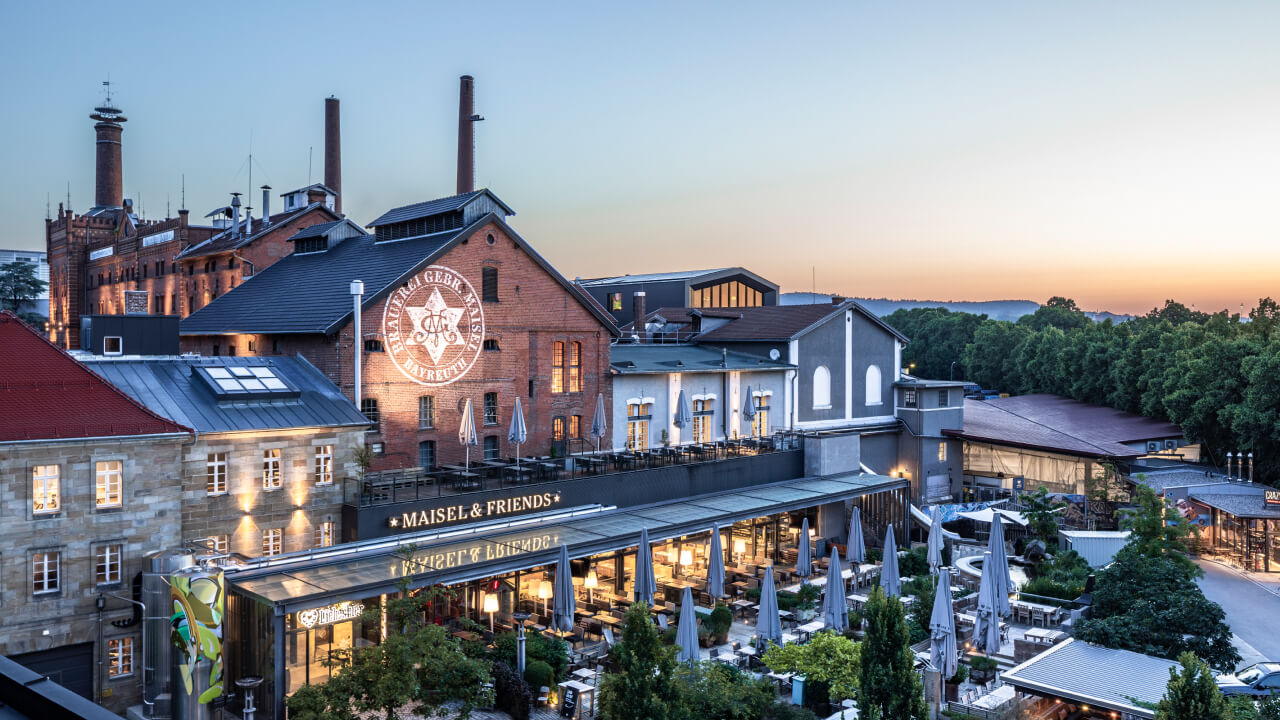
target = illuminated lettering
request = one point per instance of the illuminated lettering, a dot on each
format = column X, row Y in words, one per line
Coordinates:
column 413, row 520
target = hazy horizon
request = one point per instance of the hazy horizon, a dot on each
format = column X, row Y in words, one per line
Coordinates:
column 1116, row 154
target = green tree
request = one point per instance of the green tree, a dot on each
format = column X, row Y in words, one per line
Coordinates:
column 1269, row 709
column 1157, row 529
column 1192, row 694
column 1058, row 312
column 714, row 691
column 1041, row 512
column 643, row 686
column 828, row 658
column 888, row 687
column 20, row 285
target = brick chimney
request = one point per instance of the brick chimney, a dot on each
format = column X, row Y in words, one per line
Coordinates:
column 637, row 309
column 109, row 178
column 466, row 135
column 333, row 151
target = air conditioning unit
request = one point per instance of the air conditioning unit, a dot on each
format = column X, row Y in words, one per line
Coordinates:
column 1153, row 446
column 1170, row 444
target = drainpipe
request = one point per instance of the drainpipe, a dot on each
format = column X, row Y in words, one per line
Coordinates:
column 252, row 270
column 357, row 294
column 148, row 707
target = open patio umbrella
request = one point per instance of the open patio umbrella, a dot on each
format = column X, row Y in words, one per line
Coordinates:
column 563, row 609
column 715, row 565
column 749, row 411
column 986, row 629
column 857, row 549
column 599, row 424
column 684, row 414
column 768, row 623
column 835, row 611
column 646, row 584
column 687, row 630
column 935, row 539
column 943, row 655
column 889, row 578
column 999, row 566
column 804, row 557
column 518, row 433
column 467, row 431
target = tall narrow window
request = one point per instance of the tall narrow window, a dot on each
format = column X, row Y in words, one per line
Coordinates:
column 942, row 451
column 575, row 427
column 369, row 406
column 873, row 385
column 426, row 412
column 575, row 367
column 615, row 302
column 638, row 426
column 910, row 398
column 325, row 534
column 427, row 454
column 46, row 567
column 46, row 493
column 491, row 408
column 106, row 564
column 557, row 428
column 491, row 447
column 272, row 541
column 324, row 464
column 120, row 657
column 216, row 473
column 108, row 490
column 821, row 388
column 760, row 424
column 944, row 398
column 489, row 284
column 271, row 477
column 703, row 417
column 557, row 367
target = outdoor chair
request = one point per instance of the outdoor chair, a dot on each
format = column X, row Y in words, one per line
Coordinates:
column 544, row 695
column 662, row 622
column 608, row 637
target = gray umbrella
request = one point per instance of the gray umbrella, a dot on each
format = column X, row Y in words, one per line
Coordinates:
column 935, row 539
column 986, row 629
column 943, row 654
column 518, row 433
column 749, row 410
column 687, row 630
column 646, row 584
column 565, row 604
column 857, row 550
column 835, row 611
column 889, row 578
column 467, row 430
column 599, row 424
column 768, row 623
column 684, row 415
column 999, row 565
column 715, row 567
column 804, row 557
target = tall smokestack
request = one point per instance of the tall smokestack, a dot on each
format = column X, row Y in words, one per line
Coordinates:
column 333, row 151
column 466, row 136
column 109, row 188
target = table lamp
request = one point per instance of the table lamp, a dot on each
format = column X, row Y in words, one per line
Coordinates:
column 490, row 606
column 544, row 592
column 591, row 583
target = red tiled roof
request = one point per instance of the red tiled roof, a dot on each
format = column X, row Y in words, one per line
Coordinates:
column 45, row 394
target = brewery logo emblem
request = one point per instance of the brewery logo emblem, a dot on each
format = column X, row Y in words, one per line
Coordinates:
column 433, row 326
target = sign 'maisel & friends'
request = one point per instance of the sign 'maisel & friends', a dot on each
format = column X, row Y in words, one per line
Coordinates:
column 418, row 519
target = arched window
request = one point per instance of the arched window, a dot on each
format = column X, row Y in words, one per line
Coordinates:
column 873, row 385
column 821, row 388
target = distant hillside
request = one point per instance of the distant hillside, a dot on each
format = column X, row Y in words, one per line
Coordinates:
column 994, row 309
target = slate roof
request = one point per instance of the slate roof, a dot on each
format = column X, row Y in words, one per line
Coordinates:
column 1163, row 480
column 225, row 241
column 169, row 386
column 310, row 293
column 1096, row 676
column 45, row 394
column 783, row 322
column 1248, row 505
column 404, row 213
column 1058, row 424
column 626, row 359
column 315, row 230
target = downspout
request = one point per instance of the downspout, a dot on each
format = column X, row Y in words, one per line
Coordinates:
column 252, row 269
column 148, row 706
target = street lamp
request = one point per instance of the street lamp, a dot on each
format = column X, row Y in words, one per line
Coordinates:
column 953, row 369
column 520, row 617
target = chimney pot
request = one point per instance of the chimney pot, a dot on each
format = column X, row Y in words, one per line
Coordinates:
column 333, row 151
column 638, row 310
column 266, row 205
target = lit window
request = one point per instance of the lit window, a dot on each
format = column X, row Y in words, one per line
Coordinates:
column 324, row 464
column 426, row 412
column 491, row 408
column 271, row 478
column 575, row 367
column 703, row 415
column 106, row 564
column 942, row 452
column 271, row 541
column 821, row 388
column 108, row 486
column 615, row 302
column 575, row 427
column 120, row 653
column 873, row 385
column 216, row 473
column 557, row 367
column 638, row 426
column 325, row 534
column 760, row 424
column 557, row 429
column 45, row 567
column 46, row 496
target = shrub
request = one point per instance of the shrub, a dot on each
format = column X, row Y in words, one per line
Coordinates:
column 306, row 703
column 668, row 636
column 721, row 619
column 753, row 594
column 512, row 693
column 538, row 674
column 981, row 663
column 552, row 651
column 787, row 600
column 807, row 598
column 875, row 555
column 962, row 674
column 914, row 563
column 782, row 710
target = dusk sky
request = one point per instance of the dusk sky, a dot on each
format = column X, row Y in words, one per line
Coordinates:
column 1117, row 153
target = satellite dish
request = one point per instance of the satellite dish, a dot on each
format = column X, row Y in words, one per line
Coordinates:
column 774, row 354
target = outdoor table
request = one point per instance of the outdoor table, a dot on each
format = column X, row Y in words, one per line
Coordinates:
column 466, row 635
column 520, row 472
column 609, row 620
column 584, row 674
column 586, row 697
column 995, row 699
column 740, row 607
column 857, row 600
column 1044, row 635
column 807, row 630
column 781, row 678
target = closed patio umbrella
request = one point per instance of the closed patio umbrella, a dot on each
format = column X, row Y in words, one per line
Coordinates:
column 518, row 433
column 986, row 629
column 599, row 424
column 565, row 604
column 646, row 584
column 999, row 567
column 684, row 414
column 749, row 411
column 804, row 558
column 889, row 578
column 935, row 539
column 943, row 655
column 768, row 623
column 835, row 611
column 687, row 630
column 467, row 431
column 857, row 549
column 715, row 566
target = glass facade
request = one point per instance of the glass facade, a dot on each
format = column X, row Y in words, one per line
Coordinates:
column 725, row 295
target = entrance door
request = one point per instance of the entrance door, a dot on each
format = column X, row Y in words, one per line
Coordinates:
column 71, row 666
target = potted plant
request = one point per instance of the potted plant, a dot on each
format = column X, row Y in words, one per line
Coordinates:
column 951, row 687
column 666, row 439
column 719, row 622
column 807, row 601
column 982, row 669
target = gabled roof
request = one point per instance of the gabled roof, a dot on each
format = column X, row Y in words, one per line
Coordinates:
column 1090, row 674
column 310, row 293
column 45, row 394
column 782, row 322
column 691, row 277
column 1058, row 424
column 1239, row 499
column 406, row 213
column 629, row 359
column 173, row 387
column 315, row 230
column 226, row 241
column 314, row 186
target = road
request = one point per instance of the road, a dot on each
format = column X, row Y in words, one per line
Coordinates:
column 1251, row 610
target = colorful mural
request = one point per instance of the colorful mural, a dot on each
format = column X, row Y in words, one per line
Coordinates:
column 198, row 608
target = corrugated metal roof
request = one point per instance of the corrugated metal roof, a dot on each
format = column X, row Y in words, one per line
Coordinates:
column 1251, row 505
column 1094, row 422
column 170, row 387
column 405, row 213
column 996, row 422
column 654, row 277
column 784, row 322
column 628, row 359
column 1098, row 676
column 1096, row 533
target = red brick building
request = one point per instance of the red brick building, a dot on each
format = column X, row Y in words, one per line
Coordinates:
column 456, row 306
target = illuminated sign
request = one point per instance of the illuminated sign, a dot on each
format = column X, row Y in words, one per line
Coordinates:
column 434, row 326
column 416, row 520
column 1272, row 497
column 330, row 615
column 458, row 555
column 102, row 252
